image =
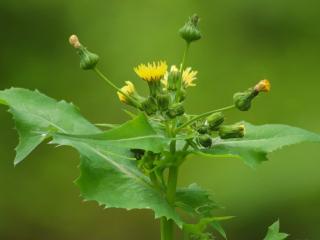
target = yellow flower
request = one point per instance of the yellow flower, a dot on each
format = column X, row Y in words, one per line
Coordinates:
column 151, row 72
column 263, row 86
column 188, row 77
column 127, row 89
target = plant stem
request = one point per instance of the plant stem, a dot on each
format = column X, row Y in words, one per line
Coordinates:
column 183, row 62
column 203, row 115
column 102, row 76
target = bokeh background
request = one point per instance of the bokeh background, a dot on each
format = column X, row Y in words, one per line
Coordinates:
column 243, row 42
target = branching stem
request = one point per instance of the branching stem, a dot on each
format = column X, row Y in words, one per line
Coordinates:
column 203, row 115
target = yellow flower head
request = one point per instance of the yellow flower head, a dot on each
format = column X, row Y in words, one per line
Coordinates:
column 151, row 72
column 188, row 77
column 127, row 89
column 263, row 86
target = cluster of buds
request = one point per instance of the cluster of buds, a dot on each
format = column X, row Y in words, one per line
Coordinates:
column 167, row 91
column 214, row 125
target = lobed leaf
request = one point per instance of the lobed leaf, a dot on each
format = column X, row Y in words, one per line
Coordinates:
column 108, row 173
column 274, row 234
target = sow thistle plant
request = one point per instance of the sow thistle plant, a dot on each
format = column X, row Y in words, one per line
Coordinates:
column 135, row 165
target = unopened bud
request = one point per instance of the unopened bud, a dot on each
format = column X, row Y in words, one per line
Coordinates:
column 176, row 110
column 203, row 129
column 190, row 31
column 149, row 106
column 263, row 86
column 88, row 60
column 232, row 131
column 205, row 140
column 242, row 100
column 215, row 120
column 163, row 101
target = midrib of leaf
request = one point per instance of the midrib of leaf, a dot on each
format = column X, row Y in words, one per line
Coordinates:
column 44, row 119
column 122, row 168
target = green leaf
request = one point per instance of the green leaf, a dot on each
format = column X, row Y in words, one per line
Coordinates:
column 195, row 200
column 197, row 203
column 274, row 234
column 36, row 115
column 199, row 231
column 259, row 141
column 108, row 173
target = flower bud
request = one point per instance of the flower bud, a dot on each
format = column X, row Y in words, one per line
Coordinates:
column 203, row 129
column 163, row 101
column 232, row 131
column 149, row 106
column 176, row 110
column 263, row 86
column 215, row 120
column 205, row 140
column 88, row 60
column 242, row 100
column 172, row 78
column 190, row 31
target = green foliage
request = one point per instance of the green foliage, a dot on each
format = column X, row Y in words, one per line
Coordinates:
column 259, row 141
column 274, row 234
column 110, row 174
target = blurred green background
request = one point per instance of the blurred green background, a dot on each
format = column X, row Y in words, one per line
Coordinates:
column 243, row 42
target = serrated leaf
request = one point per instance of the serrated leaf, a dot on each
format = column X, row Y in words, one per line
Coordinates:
column 274, row 234
column 198, row 203
column 198, row 231
column 259, row 141
column 36, row 115
column 195, row 200
column 108, row 173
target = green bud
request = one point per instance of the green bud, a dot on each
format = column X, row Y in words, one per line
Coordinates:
column 242, row 100
column 182, row 95
column 205, row 140
column 163, row 101
column 88, row 60
column 203, row 129
column 215, row 120
column 176, row 110
column 173, row 78
column 190, row 31
column 231, row 131
column 149, row 106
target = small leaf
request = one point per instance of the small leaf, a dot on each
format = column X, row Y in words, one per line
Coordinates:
column 195, row 200
column 274, row 234
column 197, row 203
column 259, row 141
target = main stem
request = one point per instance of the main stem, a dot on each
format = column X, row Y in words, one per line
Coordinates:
column 167, row 226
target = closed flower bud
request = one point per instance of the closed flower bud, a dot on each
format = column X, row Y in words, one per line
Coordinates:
column 163, row 101
column 149, row 106
column 176, row 110
column 203, row 129
column 88, row 60
column 263, row 86
column 242, row 100
column 232, row 131
column 205, row 140
column 215, row 120
column 171, row 78
column 190, row 31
